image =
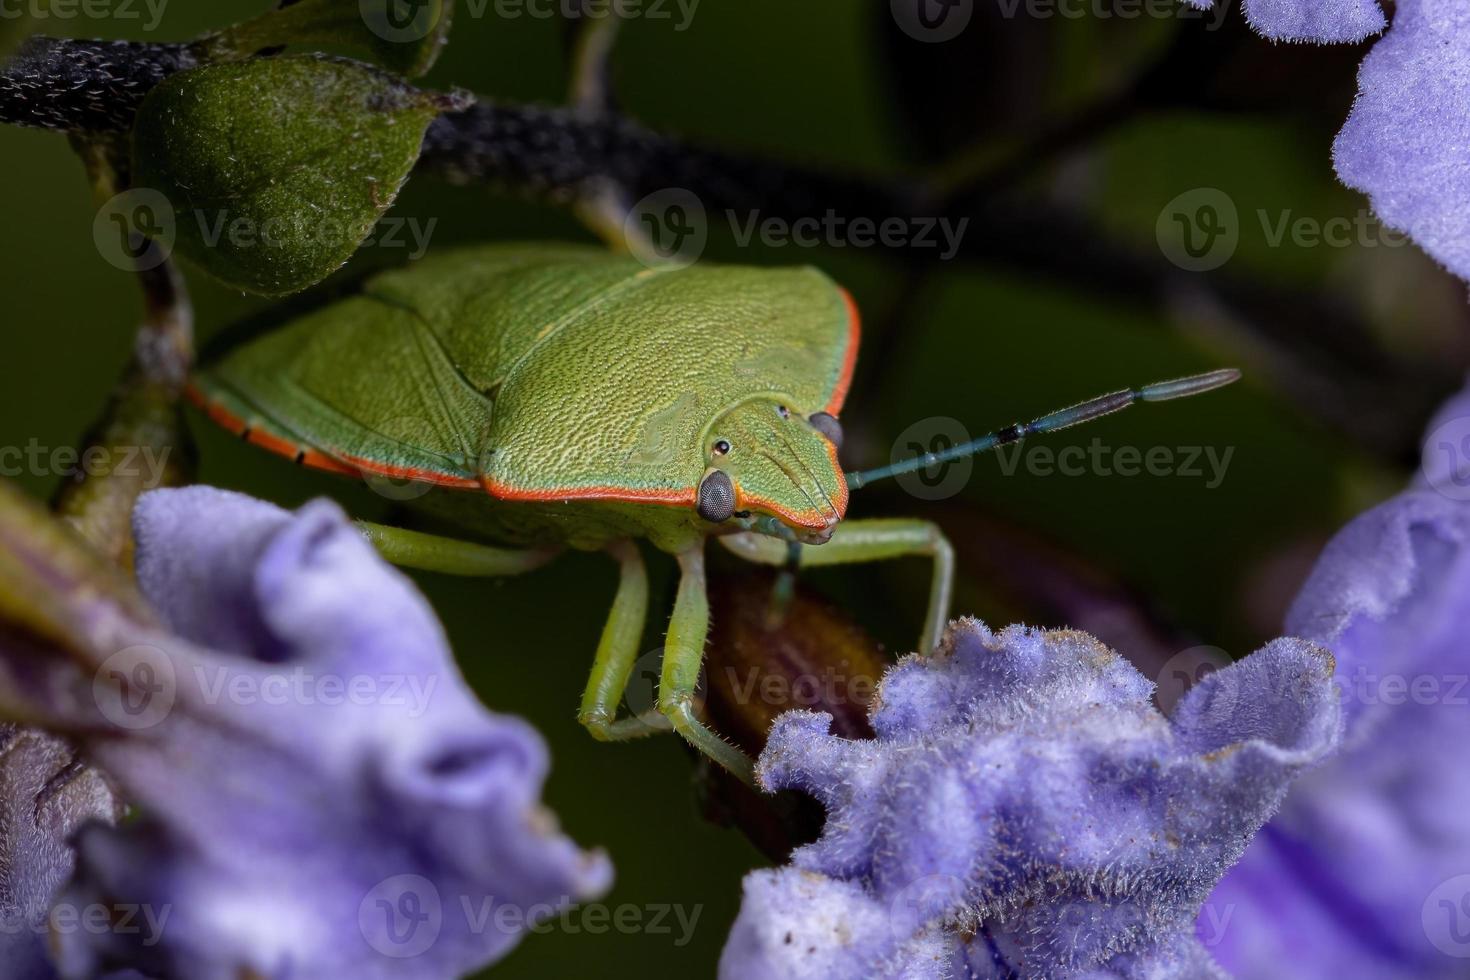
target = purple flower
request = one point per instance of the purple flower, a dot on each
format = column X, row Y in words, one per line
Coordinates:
column 1025, row 811
column 1366, row 871
column 320, row 795
column 1321, row 21
column 45, row 795
column 1404, row 143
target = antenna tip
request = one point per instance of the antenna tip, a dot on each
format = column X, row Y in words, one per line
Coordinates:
column 1193, row 385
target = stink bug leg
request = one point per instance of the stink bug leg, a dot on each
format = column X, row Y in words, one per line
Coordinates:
column 856, row 542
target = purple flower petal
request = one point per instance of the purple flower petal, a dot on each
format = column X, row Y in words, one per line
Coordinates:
column 1322, row 21
column 1366, row 871
column 320, row 793
column 798, row 925
column 45, row 795
column 1445, row 461
column 1027, row 810
column 1405, row 143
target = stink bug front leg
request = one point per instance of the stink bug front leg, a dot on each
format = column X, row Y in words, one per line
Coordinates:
column 860, row 541
column 617, row 654
column 683, row 656
column 617, row 651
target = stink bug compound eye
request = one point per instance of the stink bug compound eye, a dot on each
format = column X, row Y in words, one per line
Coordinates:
column 829, row 427
column 716, row 497
column 501, row 408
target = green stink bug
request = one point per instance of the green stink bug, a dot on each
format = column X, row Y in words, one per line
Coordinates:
column 582, row 399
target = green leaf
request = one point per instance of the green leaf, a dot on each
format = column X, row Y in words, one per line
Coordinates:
column 271, row 172
column 403, row 35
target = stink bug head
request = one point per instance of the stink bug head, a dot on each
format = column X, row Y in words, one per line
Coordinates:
column 770, row 468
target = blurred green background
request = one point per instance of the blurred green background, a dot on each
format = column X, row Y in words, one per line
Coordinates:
column 817, row 83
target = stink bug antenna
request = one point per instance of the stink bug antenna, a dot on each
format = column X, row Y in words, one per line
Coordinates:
column 1093, row 408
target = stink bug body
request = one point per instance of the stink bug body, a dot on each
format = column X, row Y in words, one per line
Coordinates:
column 578, row 398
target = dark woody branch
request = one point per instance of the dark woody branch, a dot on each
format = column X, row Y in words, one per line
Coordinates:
column 84, row 86
column 97, row 86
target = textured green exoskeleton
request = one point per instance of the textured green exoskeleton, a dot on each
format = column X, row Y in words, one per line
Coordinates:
column 563, row 396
